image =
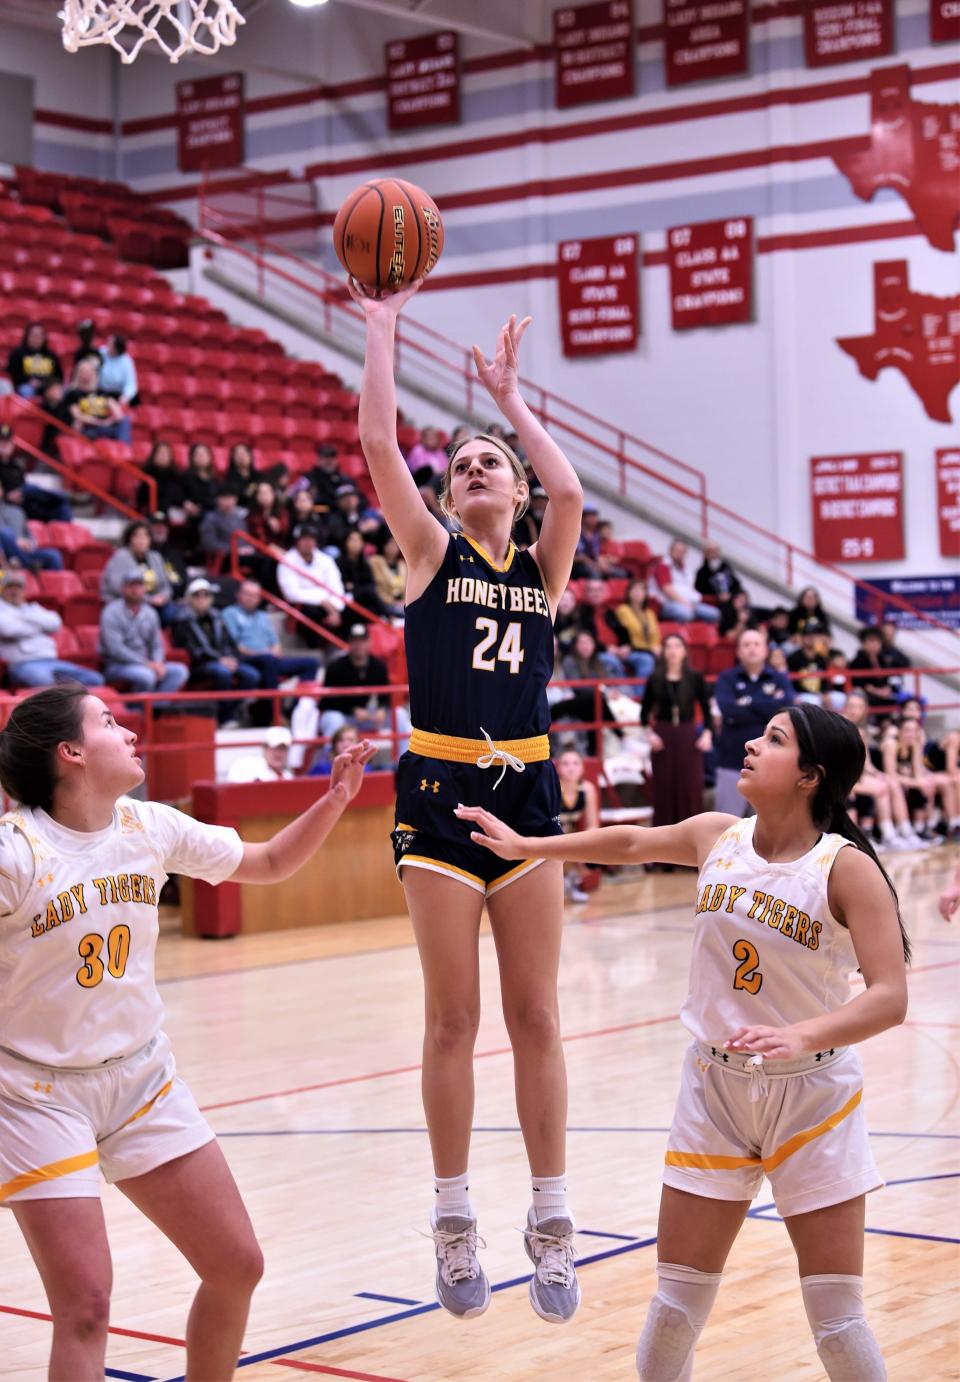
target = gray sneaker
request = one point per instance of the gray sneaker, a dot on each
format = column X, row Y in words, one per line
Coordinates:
column 554, row 1289
column 462, row 1285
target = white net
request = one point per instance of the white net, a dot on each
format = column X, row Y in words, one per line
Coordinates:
column 176, row 26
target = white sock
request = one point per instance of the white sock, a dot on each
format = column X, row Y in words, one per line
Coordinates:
column 452, row 1196
column 906, row 830
column 887, row 831
column 550, row 1197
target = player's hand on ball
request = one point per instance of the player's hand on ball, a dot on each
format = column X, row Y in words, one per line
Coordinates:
column 347, row 773
column 492, row 833
column 382, row 303
column 776, row 1043
column 501, row 375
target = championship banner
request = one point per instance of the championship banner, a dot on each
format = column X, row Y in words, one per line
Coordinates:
column 937, row 596
column 944, row 21
column 948, row 502
column 423, row 81
column 847, row 31
column 210, row 123
column 705, row 40
column 711, row 272
column 858, row 507
column 593, row 47
column 599, row 294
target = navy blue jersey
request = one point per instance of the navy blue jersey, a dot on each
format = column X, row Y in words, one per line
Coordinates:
column 479, row 644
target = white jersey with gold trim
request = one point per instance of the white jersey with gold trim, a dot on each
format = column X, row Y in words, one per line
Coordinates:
column 79, row 926
column 766, row 949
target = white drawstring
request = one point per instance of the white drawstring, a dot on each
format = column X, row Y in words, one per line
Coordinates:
column 758, row 1078
column 495, row 756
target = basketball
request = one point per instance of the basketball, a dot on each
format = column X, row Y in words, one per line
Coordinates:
column 387, row 233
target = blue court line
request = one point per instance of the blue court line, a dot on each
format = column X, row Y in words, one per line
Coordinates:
column 391, row 1300
column 599, row 1233
column 881, row 1232
column 129, row 1376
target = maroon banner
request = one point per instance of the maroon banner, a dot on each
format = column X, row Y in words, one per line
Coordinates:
column 593, row 52
column 847, row 30
column 423, row 81
column 705, row 40
column 711, row 272
column 210, row 123
column 858, row 507
column 948, row 502
column 944, row 21
column 599, row 294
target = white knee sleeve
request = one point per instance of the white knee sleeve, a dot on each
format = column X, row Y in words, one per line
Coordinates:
column 676, row 1316
column 845, row 1342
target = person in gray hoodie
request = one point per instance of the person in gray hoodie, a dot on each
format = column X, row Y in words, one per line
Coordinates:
column 135, row 555
column 131, row 644
column 26, row 644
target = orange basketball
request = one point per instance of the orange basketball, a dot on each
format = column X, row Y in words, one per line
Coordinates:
column 388, row 233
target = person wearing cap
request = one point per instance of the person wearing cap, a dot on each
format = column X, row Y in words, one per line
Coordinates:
column 27, row 645
column 214, row 656
column 255, row 637
column 325, row 478
column 32, row 364
column 131, row 643
column 808, row 664
column 272, row 765
column 350, row 514
column 135, row 555
column 310, row 580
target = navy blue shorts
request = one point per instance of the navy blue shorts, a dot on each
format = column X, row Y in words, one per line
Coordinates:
column 428, row 835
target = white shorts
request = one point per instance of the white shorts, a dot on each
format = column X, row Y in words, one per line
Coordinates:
column 59, row 1129
column 800, row 1123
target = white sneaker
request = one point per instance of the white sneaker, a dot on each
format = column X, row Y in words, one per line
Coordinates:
column 554, row 1288
column 462, row 1286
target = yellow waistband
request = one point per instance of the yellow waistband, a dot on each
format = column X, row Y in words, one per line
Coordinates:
column 454, row 750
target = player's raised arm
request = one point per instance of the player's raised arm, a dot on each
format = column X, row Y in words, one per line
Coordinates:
column 421, row 538
column 689, row 842
column 554, row 551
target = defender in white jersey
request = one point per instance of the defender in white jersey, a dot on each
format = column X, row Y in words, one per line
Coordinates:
column 789, row 902
column 88, row 1084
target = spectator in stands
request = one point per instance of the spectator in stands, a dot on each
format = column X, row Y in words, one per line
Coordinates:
column 777, row 659
column 52, row 402
column 93, row 412
column 218, row 525
column 19, row 547
column 579, row 810
column 172, row 557
column 809, row 663
column 350, row 513
column 680, row 600
column 310, row 581
column 26, row 645
column 586, row 562
column 131, row 643
column 214, row 656
column 368, row 710
column 345, row 736
column 896, row 658
column 200, row 482
column 836, row 683
column 135, row 555
column 85, row 348
column 736, row 615
column 272, row 765
column 570, row 619
column 241, row 478
column 390, row 576
column 256, row 641
column 716, row 578
column 428, row 457
column 266, row 519
column 778, row 628
column 611, row 552
column 584, row 662
column 357, row 574
column 672, row 696
column 302, row 507
column 637, row 630
column 808, row 607
column 324, row 479
column 171, row 496
column 38, row 503
column 527, row 530
column 902, row 754
column 746, row 695
column 118, row 373
column 32, row 364
column 870, row 670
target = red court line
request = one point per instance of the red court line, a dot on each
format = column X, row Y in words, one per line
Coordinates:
column 412, row 1069
column 111, row 1329
column 332, row 1372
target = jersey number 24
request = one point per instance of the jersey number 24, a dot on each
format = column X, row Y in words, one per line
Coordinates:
column 509, row 651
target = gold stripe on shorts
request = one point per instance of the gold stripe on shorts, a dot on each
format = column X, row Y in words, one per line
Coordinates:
column 53, row 1171
column 704, row 1162
column 148, row 1105
column 452, row 749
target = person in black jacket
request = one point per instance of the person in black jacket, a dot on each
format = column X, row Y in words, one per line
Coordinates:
column 32, row 364
column 808, row 607
column 357, row 573
column 171, row 495
column 715, row 576
column 671, row 698
column 213, row 654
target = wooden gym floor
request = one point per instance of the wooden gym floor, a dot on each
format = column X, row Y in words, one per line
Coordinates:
column 303, row 1049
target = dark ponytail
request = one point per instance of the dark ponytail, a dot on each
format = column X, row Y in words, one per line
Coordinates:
column 28, row 743
column 830, row 745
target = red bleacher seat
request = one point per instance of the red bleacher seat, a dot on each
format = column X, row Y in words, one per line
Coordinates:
column 721, row 656
column 62, row 584
column 83, row 607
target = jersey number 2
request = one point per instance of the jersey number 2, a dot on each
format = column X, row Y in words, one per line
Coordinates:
column 748, row 975
column 90, row 973
column 509, row 650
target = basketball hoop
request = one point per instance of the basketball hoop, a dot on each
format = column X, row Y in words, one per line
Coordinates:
column 177, row 26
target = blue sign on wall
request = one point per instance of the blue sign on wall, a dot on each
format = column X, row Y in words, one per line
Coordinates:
column 938, row 596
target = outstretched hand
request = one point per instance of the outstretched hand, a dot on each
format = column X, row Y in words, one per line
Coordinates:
column 492, row 834
column 382, row 303
column 347, row 772
column 500, row 376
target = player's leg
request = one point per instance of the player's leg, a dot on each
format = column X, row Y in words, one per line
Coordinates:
column 195, row 1202
column 694, row 1238
column 829, row 1247
column 67, row 1240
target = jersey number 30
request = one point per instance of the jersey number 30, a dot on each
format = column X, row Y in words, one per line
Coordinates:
column 90, row 973
column 509, row 650
column 748, row 975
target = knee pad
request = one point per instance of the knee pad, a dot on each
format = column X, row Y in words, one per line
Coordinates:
column 845, row 1342
column 674, row 1321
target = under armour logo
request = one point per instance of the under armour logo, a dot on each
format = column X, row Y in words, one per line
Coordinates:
column 42, row 1088
column 821, row 1054
column 721, row 1054
column 426, row 786
column 724, row 864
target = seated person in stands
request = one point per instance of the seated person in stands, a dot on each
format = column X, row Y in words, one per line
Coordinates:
column 310, row 581
column 271, row 765
column 118, row 373
column 357, row 574
column 716, row 578
column 610, row 552
column 302, row 507
column 390, row 576
column 345, row 737
column 836, row 683
column 135, row 555
column 26, row 644
column 218, row 525
column 808, row 607
column 895, row 656
column 428, row 457
column 673, row 584
column 266, row 518
column 19, row 547
column 131, row 643
column 586, row 562
column 571, row 617
column 369, row 711
column 778, row 628
column 200, row 483
column 214, row 656
column 582, row 662
column 810, row 664
column 736, row 615
column 171, row 555
column 43, row 505
column 580, row 810
column 93, row 412
column 527, row 529
column 241, row 477
column 52, row 402
column 637, row 630
column 585, row 661
column 255, row 637
column 350, row 512
column 32, row 364
column 85, row 348
column 325, row 478
column 871, row 669
column 171, row 495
